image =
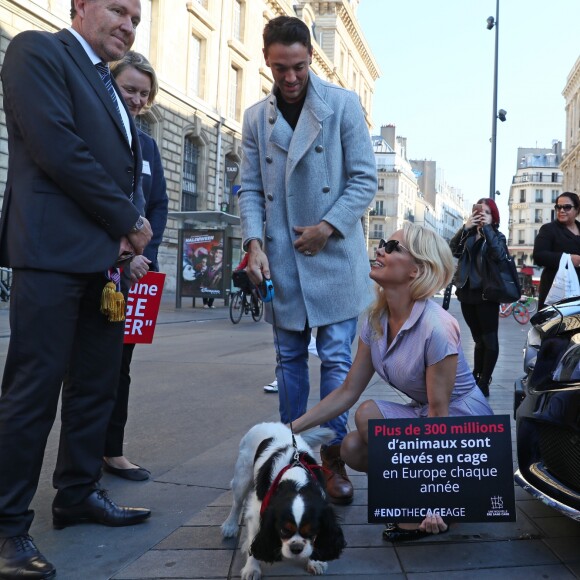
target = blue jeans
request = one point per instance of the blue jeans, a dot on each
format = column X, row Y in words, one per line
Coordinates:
column 333, row 343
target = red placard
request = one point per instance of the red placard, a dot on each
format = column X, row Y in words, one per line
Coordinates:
column 142, row 308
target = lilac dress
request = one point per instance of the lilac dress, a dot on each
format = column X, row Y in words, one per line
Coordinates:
column 428, row 336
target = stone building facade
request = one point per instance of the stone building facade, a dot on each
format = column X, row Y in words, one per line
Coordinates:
column 533, row 192
column 571, row 162
column 208, row 57
column 397, row 192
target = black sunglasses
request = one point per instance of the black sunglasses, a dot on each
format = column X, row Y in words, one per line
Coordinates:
column 565, row 207
column 391, row 245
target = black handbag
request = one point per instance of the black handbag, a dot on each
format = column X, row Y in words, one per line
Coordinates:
column 501, row 282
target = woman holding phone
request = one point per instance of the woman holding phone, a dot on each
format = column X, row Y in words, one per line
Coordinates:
column 478, row 238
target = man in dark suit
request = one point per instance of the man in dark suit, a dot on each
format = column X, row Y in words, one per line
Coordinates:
column 68, row 215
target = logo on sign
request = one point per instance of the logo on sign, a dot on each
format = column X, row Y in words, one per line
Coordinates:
column 497, row 508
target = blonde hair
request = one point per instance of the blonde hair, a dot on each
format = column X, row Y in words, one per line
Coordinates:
column 137, row 61
column 436, row 267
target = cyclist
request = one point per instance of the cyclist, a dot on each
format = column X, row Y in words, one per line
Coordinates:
column 242, row 281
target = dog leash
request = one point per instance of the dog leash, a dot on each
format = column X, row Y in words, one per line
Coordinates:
column 266, row 293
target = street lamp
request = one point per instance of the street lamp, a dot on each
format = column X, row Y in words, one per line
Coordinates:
column 501, row 114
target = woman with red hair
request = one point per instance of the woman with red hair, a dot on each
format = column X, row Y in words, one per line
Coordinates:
column 478, row 238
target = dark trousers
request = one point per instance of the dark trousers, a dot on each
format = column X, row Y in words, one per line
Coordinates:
column 483, row 322
column 116, row 428
column 57, row 333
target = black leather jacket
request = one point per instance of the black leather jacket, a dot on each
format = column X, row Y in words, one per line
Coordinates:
column 464, row 246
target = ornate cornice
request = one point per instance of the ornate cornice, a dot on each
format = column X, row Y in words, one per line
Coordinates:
column 572, row 82
column 30, row 12
column 355, row 34
column 342, row 10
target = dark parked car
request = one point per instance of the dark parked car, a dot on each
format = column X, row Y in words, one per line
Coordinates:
column 547, row 409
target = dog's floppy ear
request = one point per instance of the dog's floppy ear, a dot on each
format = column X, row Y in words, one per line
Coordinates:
column 330, row 540
column 267, row 545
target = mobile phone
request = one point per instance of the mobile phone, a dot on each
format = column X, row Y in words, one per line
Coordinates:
column 124, row 258
column 477, row 207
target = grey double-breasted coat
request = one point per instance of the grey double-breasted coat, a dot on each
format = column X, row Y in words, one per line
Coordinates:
column 323, row 170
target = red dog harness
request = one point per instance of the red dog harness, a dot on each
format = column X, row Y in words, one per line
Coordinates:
column 300, row 462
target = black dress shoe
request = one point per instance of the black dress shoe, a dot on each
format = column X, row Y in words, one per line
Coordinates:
column 393, row 533
column 132, row 474
column 21, row 560
column 98, row 508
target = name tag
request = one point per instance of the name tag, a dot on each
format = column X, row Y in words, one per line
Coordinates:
column 146, row 169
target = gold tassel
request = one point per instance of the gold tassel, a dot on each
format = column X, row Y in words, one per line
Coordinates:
column 113, row 303
column 118, row 314
column 108, row 297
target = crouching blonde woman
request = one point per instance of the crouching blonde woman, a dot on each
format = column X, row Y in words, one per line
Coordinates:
column 414, row 345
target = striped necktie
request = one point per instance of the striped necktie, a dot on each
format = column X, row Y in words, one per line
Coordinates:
column 103, row 70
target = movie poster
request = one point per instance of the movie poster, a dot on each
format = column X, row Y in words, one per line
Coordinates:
column 203, row 264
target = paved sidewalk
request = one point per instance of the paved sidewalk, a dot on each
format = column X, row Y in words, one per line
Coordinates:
column 191, row 451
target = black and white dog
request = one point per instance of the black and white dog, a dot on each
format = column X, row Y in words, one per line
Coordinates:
column 287, row 513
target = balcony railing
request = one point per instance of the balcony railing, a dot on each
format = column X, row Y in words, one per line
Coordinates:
column 537, row 178
column 376, row 235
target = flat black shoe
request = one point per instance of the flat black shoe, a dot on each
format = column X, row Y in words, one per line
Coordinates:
column 21, row 560
column 132, row 474
column 98, row 508
column 393, row 533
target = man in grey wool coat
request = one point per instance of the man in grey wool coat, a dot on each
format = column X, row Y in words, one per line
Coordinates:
column 308, row 175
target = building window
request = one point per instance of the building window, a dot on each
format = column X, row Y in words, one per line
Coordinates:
column 538, row 216
column 379, row 208
column 522, row 195
column 377, row 232
column 195, row 50
column 234, row 93
column 189, row 180
column 238, row 29
column 381, row 184
column 555, row 178
column 555, row 194
column 143, row 124
column 539, row 195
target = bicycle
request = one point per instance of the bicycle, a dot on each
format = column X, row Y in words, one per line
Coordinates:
column 242, row 303
column 5, row 283
column 521, row 309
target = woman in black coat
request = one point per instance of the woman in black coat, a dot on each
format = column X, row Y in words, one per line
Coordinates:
column 479, row 237
column 558, row 237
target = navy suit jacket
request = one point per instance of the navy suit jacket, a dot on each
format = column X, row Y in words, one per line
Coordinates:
column 71, row 169
column 155, row 193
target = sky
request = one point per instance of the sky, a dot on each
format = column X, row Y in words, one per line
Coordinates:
column 436, row 59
